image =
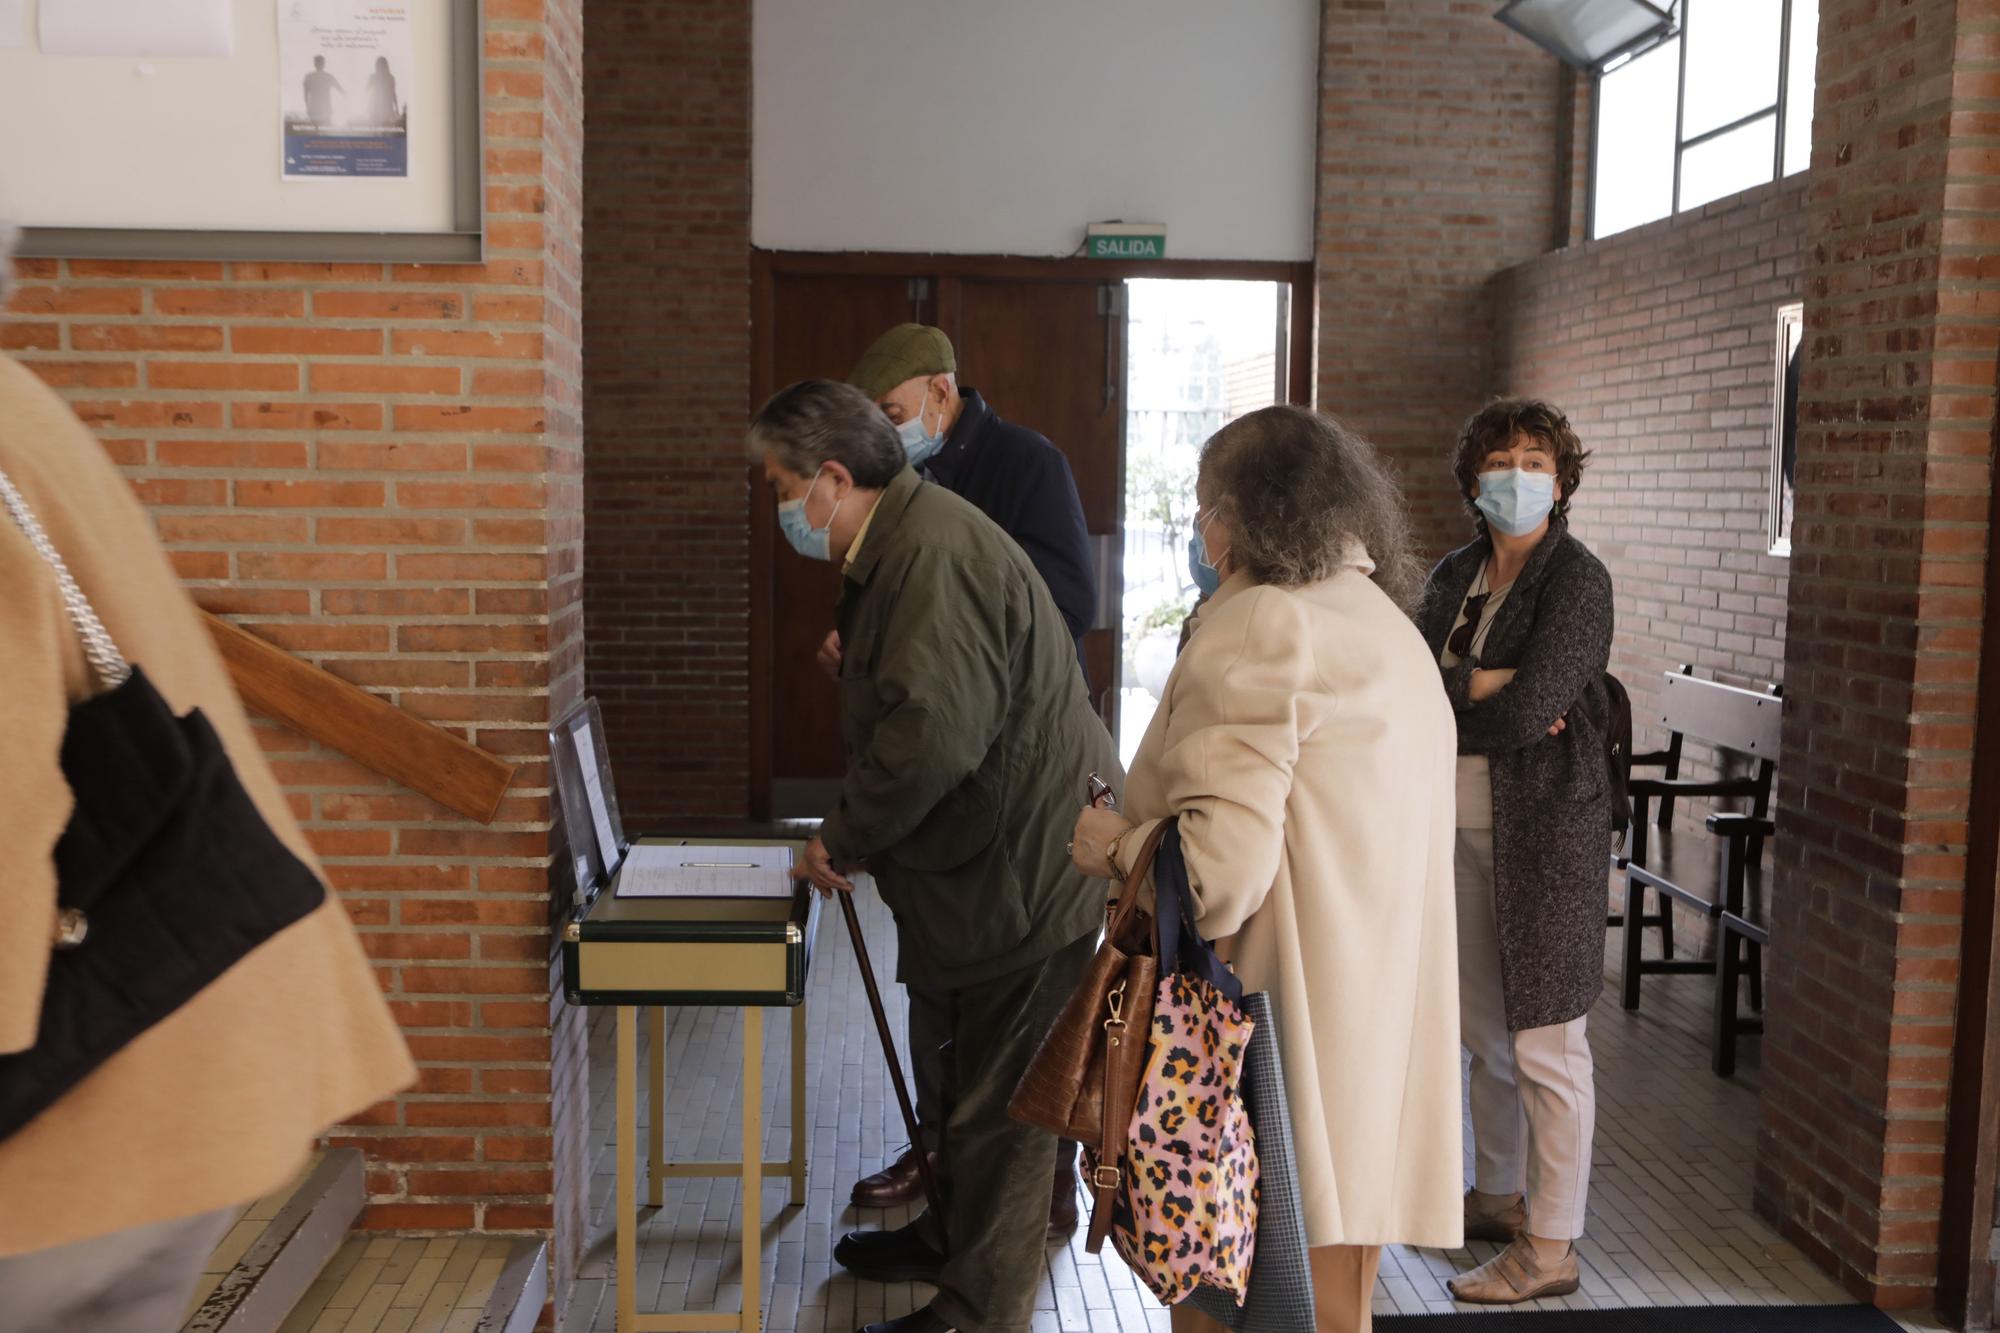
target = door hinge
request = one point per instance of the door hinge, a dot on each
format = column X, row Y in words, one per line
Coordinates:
column 1111, row 299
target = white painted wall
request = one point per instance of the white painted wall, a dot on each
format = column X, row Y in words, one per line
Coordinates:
column 1003, row 126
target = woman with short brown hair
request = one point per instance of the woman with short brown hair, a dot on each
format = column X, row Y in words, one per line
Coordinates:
column 1520, row 624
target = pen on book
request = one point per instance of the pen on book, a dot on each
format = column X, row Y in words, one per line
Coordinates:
column 719, row 865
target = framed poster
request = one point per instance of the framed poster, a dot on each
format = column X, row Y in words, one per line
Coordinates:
column 332, row 130
column 1790, row 344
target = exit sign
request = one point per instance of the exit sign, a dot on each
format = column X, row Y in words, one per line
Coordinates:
column 1126, row 240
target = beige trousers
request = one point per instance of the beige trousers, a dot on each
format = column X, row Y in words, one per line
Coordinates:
column 1343, row 1291
column 1539, row 1081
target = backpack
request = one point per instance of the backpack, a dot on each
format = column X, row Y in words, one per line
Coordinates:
column 1618, row 752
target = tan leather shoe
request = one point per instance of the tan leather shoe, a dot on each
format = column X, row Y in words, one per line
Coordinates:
column 1516, row 1276
column 1502, row 1226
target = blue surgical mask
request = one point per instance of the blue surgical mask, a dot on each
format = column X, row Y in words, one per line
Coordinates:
column 809, row 541
column 1514, row 501
column 1205, row 575
column 918, row 443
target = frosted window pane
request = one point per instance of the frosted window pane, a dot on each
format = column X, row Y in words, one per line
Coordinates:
column 1732, row 64
column 1725, row 165
column 1635, row 142
column 1799, row 85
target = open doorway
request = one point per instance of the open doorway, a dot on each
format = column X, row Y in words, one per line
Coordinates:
column 1046, row 343
column 1199, row 354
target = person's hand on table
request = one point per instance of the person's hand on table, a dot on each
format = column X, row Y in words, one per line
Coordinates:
column 820, row 869
column 829, row 655
column 1089, row 845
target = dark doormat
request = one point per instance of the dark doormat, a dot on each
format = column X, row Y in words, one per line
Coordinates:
column 1663, row 1319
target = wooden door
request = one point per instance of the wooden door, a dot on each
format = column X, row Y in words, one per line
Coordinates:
column 819, row 326
column 1050, row 355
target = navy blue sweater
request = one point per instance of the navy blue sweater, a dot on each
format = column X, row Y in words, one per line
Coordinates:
column 1023, row 483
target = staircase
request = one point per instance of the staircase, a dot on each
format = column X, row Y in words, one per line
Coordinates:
column 293, row 1264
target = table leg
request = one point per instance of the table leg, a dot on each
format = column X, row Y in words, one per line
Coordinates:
column 799, row 1104
column 628, row 1186
column 752, row 1216
column 656, row 1169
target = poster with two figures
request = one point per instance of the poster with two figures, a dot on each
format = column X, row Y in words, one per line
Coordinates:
column 345, row 70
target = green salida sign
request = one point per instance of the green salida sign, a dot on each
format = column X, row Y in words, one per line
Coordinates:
column 1151, row 245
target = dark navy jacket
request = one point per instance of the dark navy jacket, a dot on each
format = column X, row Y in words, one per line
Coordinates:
column 1023, row 483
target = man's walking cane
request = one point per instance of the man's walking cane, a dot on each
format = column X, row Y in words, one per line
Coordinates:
column 895, row 1065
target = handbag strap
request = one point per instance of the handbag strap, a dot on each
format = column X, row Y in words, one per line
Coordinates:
column 1120, row 1086
column 1142, row 865
column 1182, row 948
column 1109, row 1174
column 110, row 666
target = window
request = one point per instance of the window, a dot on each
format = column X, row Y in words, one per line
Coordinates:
column 1785, row 427
column 1724, row 106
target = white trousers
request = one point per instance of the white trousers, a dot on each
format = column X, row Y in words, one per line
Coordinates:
column 133, row 1281
column 1534, row 1097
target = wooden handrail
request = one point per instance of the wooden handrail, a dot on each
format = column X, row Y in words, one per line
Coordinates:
column 370, row 730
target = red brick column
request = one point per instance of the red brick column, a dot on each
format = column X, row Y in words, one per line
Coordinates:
column 378, row 467
column 667, row 332
column 1902, row 322
column 1438, row 167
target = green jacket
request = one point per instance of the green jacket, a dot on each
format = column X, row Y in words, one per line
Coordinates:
column 970, row 739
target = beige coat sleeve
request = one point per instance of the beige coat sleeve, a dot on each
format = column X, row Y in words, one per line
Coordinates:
column 1232, row 742
column 34, row 799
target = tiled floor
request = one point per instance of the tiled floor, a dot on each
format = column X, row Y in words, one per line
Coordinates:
column 1670, row 1219
column 388, row 1284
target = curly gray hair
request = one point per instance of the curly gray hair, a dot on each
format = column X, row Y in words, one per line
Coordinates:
column 1296, row 486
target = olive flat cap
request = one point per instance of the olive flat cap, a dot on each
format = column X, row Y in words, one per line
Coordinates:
column 903, row 353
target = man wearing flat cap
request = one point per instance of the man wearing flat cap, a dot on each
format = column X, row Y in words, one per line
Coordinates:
column 1013, row 474
column 1023, row 483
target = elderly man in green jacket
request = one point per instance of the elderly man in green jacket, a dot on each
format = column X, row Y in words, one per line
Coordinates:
column 970, row 744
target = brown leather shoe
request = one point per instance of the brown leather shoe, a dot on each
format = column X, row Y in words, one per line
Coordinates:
column 894, row 1185
column 1063, row 1211
column 1517, row 1275
column 1502, row 1226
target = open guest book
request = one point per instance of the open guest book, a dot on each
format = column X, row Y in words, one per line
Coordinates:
column 652, row 867
column 653, row 871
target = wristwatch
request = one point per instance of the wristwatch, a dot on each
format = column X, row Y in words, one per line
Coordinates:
column 1111, row 854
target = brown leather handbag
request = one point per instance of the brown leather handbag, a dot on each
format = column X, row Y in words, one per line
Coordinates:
column 1084, row 1081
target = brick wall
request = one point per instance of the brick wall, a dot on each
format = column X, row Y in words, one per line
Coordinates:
column 1660, row 344
column 667, row 335
column 377, row 467
column 1438, row 167
column 562, row 153
column 1881, row 650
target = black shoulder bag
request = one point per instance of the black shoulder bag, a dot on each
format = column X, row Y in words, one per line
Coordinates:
column 166, row 875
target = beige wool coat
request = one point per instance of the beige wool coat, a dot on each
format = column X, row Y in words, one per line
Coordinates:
column 1308, row 749
column 220, row 1102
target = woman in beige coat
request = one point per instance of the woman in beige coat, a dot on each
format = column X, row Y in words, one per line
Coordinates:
column 111, row 1198
column 1308, row 750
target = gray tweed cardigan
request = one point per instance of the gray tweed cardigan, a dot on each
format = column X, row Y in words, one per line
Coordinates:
column 1551, row 812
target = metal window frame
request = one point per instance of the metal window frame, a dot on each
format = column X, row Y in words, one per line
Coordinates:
column 1683, row 11
column 463, row 243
